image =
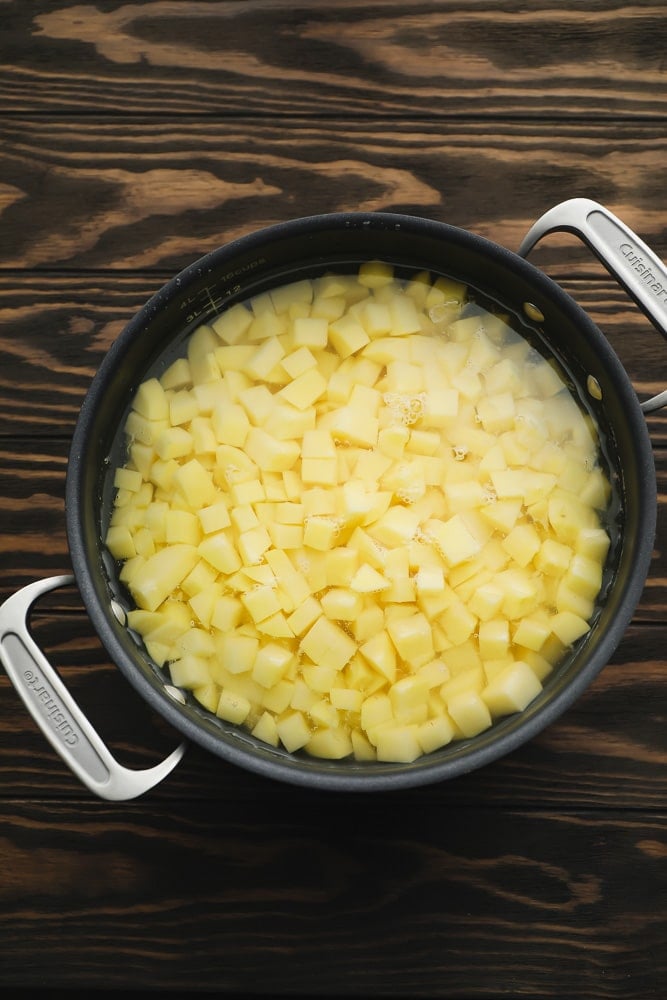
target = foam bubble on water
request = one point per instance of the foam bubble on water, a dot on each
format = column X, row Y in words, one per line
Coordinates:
column 405, row 408
column 460, row 452
column 442, row 311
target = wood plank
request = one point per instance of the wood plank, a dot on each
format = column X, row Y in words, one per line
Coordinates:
column 341, row 58
column 147, row 193
column 472, row 902
column 607, row 751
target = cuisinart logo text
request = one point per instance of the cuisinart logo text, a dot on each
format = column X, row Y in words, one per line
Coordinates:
column 638, row 264
column 50, row 708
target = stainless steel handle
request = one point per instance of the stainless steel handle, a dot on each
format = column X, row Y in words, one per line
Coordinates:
column 56, row 712
column 626, row 257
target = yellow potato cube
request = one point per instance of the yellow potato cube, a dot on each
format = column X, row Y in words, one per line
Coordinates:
column 408, row 698
column 375, row 710
column 182, row 526
column 341, row 604
column 173, row 442
column 570, row 601
column 257, row 401
column 327, row 644
column 237, row 652
column 511, row 690
column 469, row 712
column 190, row 671
column 304, row 390
column 553, row 558
column 127, row 479
column 298, row 362
column 341, row 564
column 375, row 274
column 584, row 576
column 214, row 517
column 276, row 626
column 404, row 315
column 150, row 400
column 346, row 699
column 320, row 532
column 520, row 592
column 347, row 336
column 532, row 632
column 522, row 543
column 231, row 325
column 435, row 733
column 440, row 408
column 230, row 424
column 279, row 697
column 493, row 638
column 177, row 375
column 330, row 744
column 396, row 527
column 195, row 484
column 412, row 638
column 319, row 680
column 569, row 627
column 400, row 743
column 496, row 412
column 161, row 574
column 452, row 539
column 592, row 542
column 271, row 664
column 367, row 580
column 219, row 550
column 430, row 581
column 232, row 707
column 310, row 332
column 252, row 544
column 269, row 453
column 226, row 613
column 261, row 602
column 319, row 471
column 293, row 730
column 265, row 729
column 381, row 654
column 303, row 696
column 369, row 622
column 354, row 426
column 286, row 536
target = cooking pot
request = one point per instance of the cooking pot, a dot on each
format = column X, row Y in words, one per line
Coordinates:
column 274, row 256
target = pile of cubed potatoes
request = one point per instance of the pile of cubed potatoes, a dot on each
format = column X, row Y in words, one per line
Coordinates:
column 360, row 517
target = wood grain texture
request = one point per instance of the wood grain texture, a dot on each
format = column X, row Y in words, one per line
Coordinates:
column 135, row 137
column 272, row 903
column 128, row 193
column 338, row 58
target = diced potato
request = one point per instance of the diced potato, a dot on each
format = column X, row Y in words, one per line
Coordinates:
column 232, row 707
column 271, row 664
column 511, row 690
column 469, row 712
column 161, row 575
column 293, row 730
column 327, row 644
column 357, row 522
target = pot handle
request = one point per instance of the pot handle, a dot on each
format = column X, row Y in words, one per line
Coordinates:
column 55, row 711
column 626, row 257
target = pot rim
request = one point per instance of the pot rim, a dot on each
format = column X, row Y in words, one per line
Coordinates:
column 465, row 755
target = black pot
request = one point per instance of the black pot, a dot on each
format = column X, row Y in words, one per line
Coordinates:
column 307, row 247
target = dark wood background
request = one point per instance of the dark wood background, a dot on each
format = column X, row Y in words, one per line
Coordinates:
column 134, row 138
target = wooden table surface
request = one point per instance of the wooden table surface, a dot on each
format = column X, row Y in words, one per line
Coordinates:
column 136, row 137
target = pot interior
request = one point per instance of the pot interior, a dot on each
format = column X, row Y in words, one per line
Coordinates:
column 309, row 248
